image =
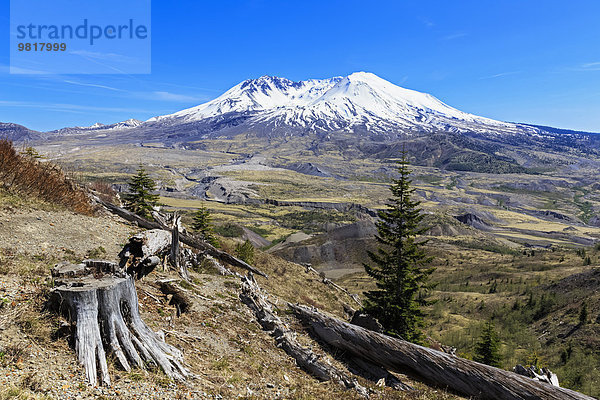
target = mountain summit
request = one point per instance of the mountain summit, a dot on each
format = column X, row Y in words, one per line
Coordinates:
column 361, row 101
column 358, row 105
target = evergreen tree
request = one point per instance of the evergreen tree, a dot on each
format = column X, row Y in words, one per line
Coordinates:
column 140, row 198
column 399, row 264
column 583, row 314
column 487, row 350
column 587, row 260
column 203, row 226
column 31, row 152
column 245, row 251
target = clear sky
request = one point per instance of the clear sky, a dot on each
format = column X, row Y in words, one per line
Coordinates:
column 533, row 61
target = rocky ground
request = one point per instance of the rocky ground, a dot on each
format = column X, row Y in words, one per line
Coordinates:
column 54, row 232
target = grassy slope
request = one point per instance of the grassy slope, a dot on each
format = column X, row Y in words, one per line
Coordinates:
column 481, row 278
column 222, row 345
column 525, row 295
column 457, row 317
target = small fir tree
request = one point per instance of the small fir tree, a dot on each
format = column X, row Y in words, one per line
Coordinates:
column 399, row 264
column 587, row 260
column 487, row 350
column 203, row 226
column 583, row 314
column 245, row 251
column 31, row 153
column 140, row 198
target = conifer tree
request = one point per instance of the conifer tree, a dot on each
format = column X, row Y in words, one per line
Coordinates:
column 140, row 198
column 583, row 314
column 245, row 251
column 399, row 265
column 487, row 350
column 31, row 152
column 202, row 225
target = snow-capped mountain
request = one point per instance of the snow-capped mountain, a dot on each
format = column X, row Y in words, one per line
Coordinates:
column 130, row 123
column 358, row 105
column 361, row 101
column 357, row 116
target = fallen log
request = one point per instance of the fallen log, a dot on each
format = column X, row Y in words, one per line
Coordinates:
column 545, row 374
column 218, row 266
column 144, row 252
column 441, row 369
column 103, row 304
column 225, row 257
column 251, row 296
column 326, row 281
column 190, row 240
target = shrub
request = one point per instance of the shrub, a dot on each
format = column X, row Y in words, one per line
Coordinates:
column 245, row 251
column 583, row 314
column 26, row 175
column 97, row 252
column 229, row 230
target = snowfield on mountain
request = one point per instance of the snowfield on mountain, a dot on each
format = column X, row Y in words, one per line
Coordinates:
column 361, row 99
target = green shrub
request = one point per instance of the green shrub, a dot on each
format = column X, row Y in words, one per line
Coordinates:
column 229, row 230
column 245, row 251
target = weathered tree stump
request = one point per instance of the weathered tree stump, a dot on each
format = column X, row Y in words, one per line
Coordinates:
column 100, row 299
column 178, row 255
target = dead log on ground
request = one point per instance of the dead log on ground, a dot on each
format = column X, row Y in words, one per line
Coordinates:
column 217, row 265
column 441, row 369
column 103, row 304
column 190, row 240
column 251, row 296
column 545, row 374
column 145, row 251
column 326, row 281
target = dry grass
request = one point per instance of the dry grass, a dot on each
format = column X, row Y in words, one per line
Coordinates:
column 20, row 393
column 24, row 174
column 32, row 267
column 104, row 190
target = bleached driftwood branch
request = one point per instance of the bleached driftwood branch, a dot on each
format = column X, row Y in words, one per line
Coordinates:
column 190, row 240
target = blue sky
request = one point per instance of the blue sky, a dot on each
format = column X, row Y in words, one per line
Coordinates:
column 525, row 61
